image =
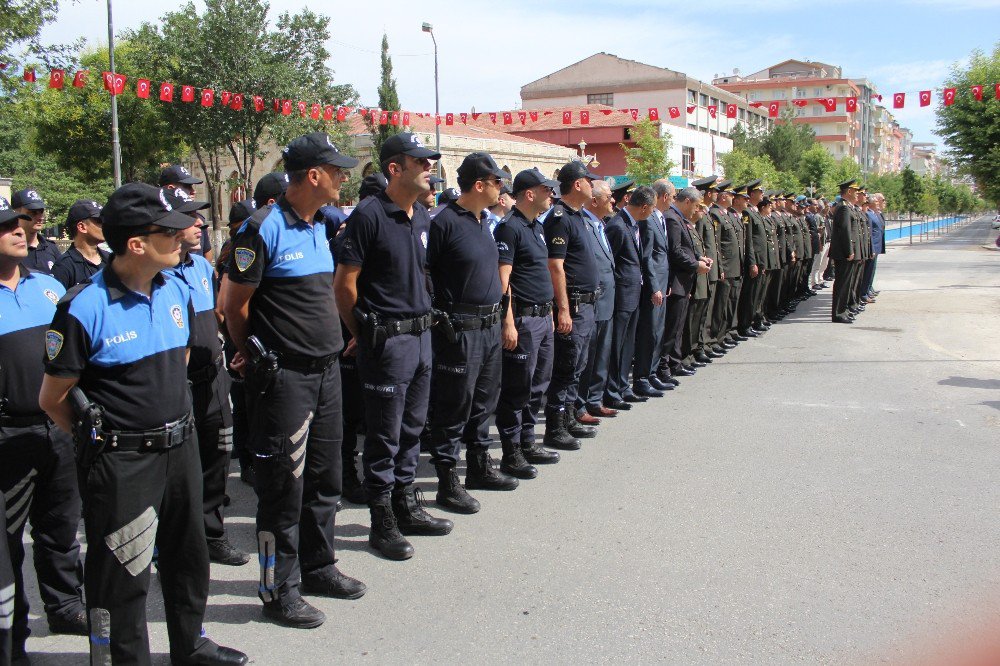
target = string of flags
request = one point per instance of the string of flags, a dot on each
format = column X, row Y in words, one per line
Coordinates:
column 115, row 83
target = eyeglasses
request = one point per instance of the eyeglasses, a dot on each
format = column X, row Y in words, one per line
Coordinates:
column 162, row 231
column 493, row 181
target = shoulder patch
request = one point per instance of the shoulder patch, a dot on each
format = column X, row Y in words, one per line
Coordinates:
column 558, row 240
column 53, row 343
column 178, row 315
column 51, row 295
column 244, row 258
column 557, row 211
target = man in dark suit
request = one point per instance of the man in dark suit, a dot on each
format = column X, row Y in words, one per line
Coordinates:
column 842, row 252
column 685, row 266
column 589, row 405
column 730, row 237
column 624, row 238
column 652, row 300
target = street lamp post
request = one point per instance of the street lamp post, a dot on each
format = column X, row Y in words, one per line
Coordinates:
column 116, row 148
column 428, row 28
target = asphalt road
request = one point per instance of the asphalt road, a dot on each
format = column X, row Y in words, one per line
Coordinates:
column 824, row 494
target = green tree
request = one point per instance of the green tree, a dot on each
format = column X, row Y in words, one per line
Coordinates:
column 742, row 167
column 21, row 23
column 912, row 191
column 388, row 99
column 647, row 160
column 814, row 165
column 891, row 186
column 748, row 140
column 843, row 170
column 787, row 141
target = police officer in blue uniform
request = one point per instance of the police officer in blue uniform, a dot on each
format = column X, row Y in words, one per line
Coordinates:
column 526, row 331
column 573, row 270
column 37, row 474
column 210, row 384
column 42, row 253
column 123, row 338
column 84, row 257
column 281, row 315
column 383, row 297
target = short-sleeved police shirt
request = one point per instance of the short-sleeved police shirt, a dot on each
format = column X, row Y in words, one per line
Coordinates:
column 288, row 260
column 42, row 258
column 197, row 274
column 128, row 350
column 73, row 268
column 391, row 250
column 25, row 315
column 568, row 238
column 462, row 256
column 521, row 244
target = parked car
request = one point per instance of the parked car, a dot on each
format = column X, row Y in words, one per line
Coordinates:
column 996, row 221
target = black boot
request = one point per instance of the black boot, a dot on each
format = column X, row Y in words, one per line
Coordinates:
column 577, row 429
column 352, row 490
column 451, row 495
column 536, row 455
column 514, row 463
column 385, row 536
column 481, row 472
column 556, row 435
column 407, row 505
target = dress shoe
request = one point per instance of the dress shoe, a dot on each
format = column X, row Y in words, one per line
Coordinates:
column 712, row 354
column 514, row 463
column 451, row 495
column 408, row 507
column 668, row 379
column 221, row 551
column 214, row 655
column 747, row 334
column 703, row 358
column 646, row 390
column 655, row 382
column 537, row 455
column 617, row 405
column 385, row 536
column 854, row 311
column 876, row 292
column 298, row 614
column 630, row 396
column 339, row 506
column 840, row 319
column 585, row 418
column 72, row 625
column 740, row 337
column 727, row 345
column 556, row 434
column 683, row 372
column 601, row 411
column 333, row 584
column 577, row 429
column 694, row 365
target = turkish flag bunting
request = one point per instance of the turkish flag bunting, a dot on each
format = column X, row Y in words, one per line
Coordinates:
column 277, row 105
column 712, row 111
column 654, row 113
column 878, row 97
column 585, row 117
column 225, row 98
column 730, row 111
column 674, row 112
column 341, row 113
column 383, row 118
column 829, row 103
column 475, row 116
column 56, row 78
column 493, row 118
column 533, row 115
column 29, row 75
column 328, row 112
column 996, row 90
column 118, row 84
column 799, row 102
column 394, row 119
column 772, row 109
column 925, row 98
column 567, row 117
column 851, row 104
column 690, row 109
column 634, row 113
column 522, row 116
column 899, row 100
column 406, row 118
column 977, row 92
column 106, row 80
column 547, row 113
column 80, row 79
column 207, row 97
column 236, row 104
column 316, row 111
column 464, row 117
column 449, row 119
column 508, row 118
column 142, row 89
column 286, row 107
column 258, row 103
column 166, row 92
column 187, row 93
column 302, row 108
column 437, row 120
column 607, row 112
column 949, row 96
column 756, row 105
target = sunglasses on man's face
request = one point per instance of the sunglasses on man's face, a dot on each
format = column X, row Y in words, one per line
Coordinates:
column 162, row 231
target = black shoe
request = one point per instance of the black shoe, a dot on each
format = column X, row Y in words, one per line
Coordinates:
column 537, row 455
column 408, row 507
column 481, row 472
column 451, row 495
column 646, row 390
column 577, row 429
column 299, row 614
column 749, row 333
column 840, row 319
column 683, row 372
column 854, row 311
column 247, row 475
column 668, row 379
column 556, row 434
column 340, row 506
column 385, row 536
column 619, row 405
column 720, row 349
column 703, row 358
column 334, row 584
column 514, row 463
column 659, row 385
column 351, row 489
column 214, row 655
column 713, row 354
column 19, row 657
column 629, row 396
column 221, row 551
column 71, row 625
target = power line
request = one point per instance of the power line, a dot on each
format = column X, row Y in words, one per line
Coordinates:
column 379, row 52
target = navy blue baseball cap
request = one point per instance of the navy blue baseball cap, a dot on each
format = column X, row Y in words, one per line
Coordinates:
column 406, row 143
column 271, row 186
column 241, row 210
column 477, row 166
column 138, row 205
column 27, row 198
column 83, row 209
column 529, row 178
column 313, row 149
column 8, row 214
column 574, row 171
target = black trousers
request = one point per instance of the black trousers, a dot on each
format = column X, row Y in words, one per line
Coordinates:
column 465, row 387
column 673, row 333
column 772, row 298
column 525, row 374
column 38, row 482
column 868, row 281
column 296, row 436
column 762, row 284
column 569, row 360
column 623, row 325
column 594, row 378
column 353, row 406
column 7, row 591
column 133, row 500
column 844, row 278
column 730, row 321
column 745, row 314
column 650, row 339
column 241, row 424
column 395, row 379
column 691, row 332
column 214, row 421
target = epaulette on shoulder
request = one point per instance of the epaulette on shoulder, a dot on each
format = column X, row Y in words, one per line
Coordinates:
column 72, row 292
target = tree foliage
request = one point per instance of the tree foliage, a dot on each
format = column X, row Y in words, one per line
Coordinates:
column 814, row 166
column 647, row 160
column 912, row 191
column 21, row 22
column 388, row 99
column 786, row 143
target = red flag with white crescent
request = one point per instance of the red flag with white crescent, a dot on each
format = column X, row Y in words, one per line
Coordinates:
column 166, row 92
column 977, row 92
column 56, row 78
column 674, row 112
column 925, row 98
column 187, row 93
column 899, row 100
column 142, row 89
column 80, row 79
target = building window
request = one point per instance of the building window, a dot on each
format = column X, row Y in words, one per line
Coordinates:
column 779, row 94
column 754, row 96
column 703, row 99
column 692, row 97
column 817, row 92
column 692, row 126
column 816, row 110
column 800, row 92
column 607, row 99
column 687, row 158
column 713, row 102
column 743, row 114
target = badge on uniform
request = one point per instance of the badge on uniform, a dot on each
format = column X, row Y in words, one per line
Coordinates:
column 178, row 315
column 558, row 240
column 205, row 286
column 502, row 247
column 53, row 343
column 52, row 296
column 423, row 238
column 244, row 258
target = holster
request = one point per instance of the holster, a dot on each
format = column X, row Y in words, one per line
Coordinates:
column 371, row 330
column 262, row 362
column 88, row 423
column 446, row 326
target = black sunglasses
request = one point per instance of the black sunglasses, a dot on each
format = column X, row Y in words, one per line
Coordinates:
column 164, row 231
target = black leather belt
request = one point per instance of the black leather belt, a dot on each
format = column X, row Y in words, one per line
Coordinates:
column 394, row 327
column 25, row 421
column 584, row 297
column 471, row 310
column 476, row 323
column 306, row 364
column 168, row 437
column 207, row 373
column 533, row 310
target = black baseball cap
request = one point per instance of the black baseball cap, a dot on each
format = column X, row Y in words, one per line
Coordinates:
column 27, row 198
column 436, row 181
column 529, row 178
column 406, row 143
column 371, row 185
column 183, row 203
column 175, row 174
column 313, row 149
column 8, row 214
column 241, row 210
column 271, row 186
column 573, row 171
column 477, row 166
column 448, row 195
column 138, row 205
column 83, row 209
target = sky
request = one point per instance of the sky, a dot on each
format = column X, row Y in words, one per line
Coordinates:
column 488, row 50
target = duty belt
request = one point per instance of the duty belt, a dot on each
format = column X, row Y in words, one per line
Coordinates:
column 25, row 421
column 307, row 364
column 470, row 310
column 583, row 297
column 533, row 310
column 476, row 323
column 168, row 437
column 206, row 373
column 394, row 327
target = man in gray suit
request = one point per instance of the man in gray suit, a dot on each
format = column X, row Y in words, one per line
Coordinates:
column 595, row 375
column 652, row 301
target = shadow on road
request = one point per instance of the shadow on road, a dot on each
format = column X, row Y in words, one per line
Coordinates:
column 971, row 382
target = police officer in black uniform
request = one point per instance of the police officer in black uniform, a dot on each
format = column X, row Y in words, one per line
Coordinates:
column 37, row 474
column 281, row 315
column 84, row 257
column 179, row 180
column 383, row 297
column 526, row 331
column 573, row 270
column 42, row 253
column 123, row 339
